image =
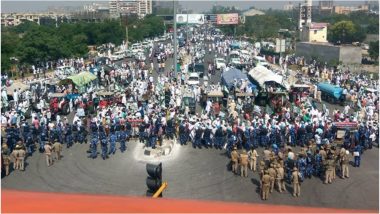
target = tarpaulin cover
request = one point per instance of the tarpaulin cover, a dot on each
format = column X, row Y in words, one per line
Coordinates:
column 262, row 75
column 333, row 90
column 82, row 78
column 229, row 76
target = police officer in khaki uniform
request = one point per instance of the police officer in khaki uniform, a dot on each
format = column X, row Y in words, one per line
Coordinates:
column 6, row 158
column 329, row 165
column 48, row 151
column 261, row 168
column 253, row 159
column 234, row 160
column 244, row 164
column 57, row 148
column 280, row 178
column 14, row 156
column 265, row 185
column 296, row 183
column 21, row 158
column 345, row 160
column 272, row 174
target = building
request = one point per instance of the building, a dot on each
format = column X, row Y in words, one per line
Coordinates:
column 139, row 7
column 347, row 10
column 314, row 32
column 325, row 7
column 144, row 7
column 14, row 19
column 253, row 12
column 289, row 6
column 329, row 53
column 305, row 10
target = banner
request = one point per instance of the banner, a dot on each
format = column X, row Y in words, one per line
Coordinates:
column 196, row 19
column 227, row 19
column 190, row 18
column 181, row 18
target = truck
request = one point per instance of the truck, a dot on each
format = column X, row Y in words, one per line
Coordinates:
column 331, row 93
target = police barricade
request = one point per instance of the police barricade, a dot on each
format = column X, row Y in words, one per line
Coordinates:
column 135, row 123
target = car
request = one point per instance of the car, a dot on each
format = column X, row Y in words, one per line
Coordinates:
column 220, row 63
column 129, row 54
column 117, row 56
column 193, row 79
column 136, row 50
column 197, row 68
column 188, row 100
column 140, row 56
column 365, row 46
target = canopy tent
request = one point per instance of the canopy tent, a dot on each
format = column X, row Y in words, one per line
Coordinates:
column 262, row 75
column 82, row 78
column 229, row 76
column 16, row 85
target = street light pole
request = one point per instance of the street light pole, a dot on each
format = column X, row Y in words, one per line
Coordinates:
column 126, row 32
column 175, row 35
column 187, row 27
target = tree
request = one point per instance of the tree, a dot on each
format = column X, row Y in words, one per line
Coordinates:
column 374, row 50
column 9, row 44
column 345, row 32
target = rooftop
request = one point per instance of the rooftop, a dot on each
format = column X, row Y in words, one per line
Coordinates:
column 253, row 12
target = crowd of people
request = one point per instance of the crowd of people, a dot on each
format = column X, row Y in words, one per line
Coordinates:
column 147, row 109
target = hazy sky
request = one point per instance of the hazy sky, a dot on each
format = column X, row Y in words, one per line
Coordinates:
column 198, row 6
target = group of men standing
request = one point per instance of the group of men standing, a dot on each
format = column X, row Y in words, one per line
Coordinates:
column 277, row 167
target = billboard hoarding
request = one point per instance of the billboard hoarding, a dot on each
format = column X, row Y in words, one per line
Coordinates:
column 181, row 18
column 190, row 18
column 196, row 19
column 227, row 19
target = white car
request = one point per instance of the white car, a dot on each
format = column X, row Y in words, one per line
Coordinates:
column 136, row 50
column 118, row 56
column 220, row 63
column 193, row 79
column 140, row 56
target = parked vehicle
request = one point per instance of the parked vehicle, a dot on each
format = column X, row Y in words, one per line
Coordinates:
column 193, row 79
column 220, row 63
column 198, row 68
column 59, row 104
column 188, row 100
column 331, row 93
column 117, row 56
column 140, row 56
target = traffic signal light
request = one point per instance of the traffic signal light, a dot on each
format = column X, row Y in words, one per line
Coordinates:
column 154, row 180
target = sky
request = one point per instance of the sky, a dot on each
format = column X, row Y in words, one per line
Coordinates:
column 8, row 6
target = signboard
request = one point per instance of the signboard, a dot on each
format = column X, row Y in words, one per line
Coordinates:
column 196, row 19
column 280, row 45
column 181, row 18
column 346, row 125
column 227, row 19
column 190, row 18
column 211, row 18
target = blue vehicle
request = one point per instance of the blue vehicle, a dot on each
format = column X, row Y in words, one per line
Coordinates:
column 331, row 93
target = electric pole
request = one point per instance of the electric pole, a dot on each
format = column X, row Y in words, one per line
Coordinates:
column 175, row 35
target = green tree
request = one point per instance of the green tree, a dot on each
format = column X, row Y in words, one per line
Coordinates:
column 374, row 50
column 9, row 44
column 345, row 32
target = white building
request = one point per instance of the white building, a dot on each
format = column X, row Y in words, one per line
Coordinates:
column 139, row 7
